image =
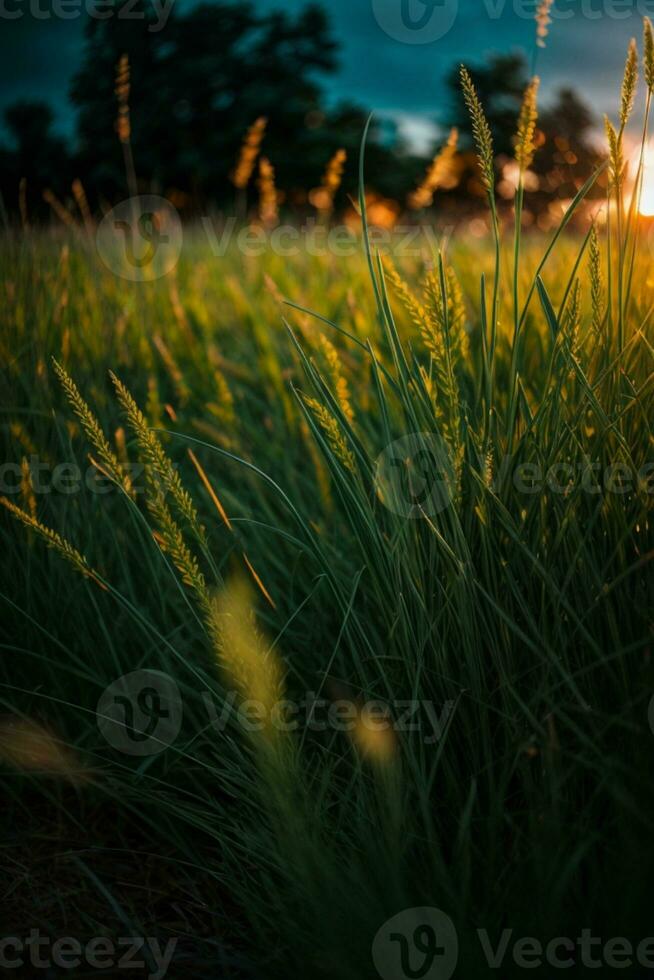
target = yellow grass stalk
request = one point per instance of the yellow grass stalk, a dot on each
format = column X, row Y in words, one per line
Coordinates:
column 225, row 519
column 438, row 173
column 153, row 402
column 53, row 540
column 121, row 90
column 416, row 311
column 375, row 742
column 258, row 582
column 82, row 203
column 543, row 21
column 331, row 429
column 27, row 745
column 249, row 152
column 20, row 433
column 171, row 540
column 162, row 476
column 648, row 53
column 322, row 474
column 210, row 490
column 173, row 369
column 338, row 378
column 596, row 286
column 93, row 430
column 123, row 125
column 616, row 160
column 525, row 148
column 573, row 318
column 629, row 81
column 456, row 316
column 322, row 197
column 27, row 487
column 249, row 666
column 268, row 212
column 62, row 212
column 480, row 130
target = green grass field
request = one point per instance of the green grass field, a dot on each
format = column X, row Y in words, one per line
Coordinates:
column 397, row 497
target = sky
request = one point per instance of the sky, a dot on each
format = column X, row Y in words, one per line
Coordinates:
column 394, row 53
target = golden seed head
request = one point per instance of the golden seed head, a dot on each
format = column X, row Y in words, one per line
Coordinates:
column 543, row 21
column 629, row 81
column 249, row 153
column 322, row 197
column 480, row 130
column 439, row 173
column 525, row 147
column 616, row 160
column 268, row 211
column 122, row 97
column 648, row 53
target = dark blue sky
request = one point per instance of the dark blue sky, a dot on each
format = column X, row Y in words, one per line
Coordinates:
column 380, row 68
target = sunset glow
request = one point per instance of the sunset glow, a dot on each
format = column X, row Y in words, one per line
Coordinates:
column 646, row 206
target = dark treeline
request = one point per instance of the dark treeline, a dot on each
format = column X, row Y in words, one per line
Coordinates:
column 201, row 80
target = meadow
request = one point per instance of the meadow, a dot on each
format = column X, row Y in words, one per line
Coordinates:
column 417, row 484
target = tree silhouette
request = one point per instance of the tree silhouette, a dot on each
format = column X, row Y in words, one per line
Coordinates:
column 195, row 88
column 198, row 84
column 567, row 155
column 37, row 155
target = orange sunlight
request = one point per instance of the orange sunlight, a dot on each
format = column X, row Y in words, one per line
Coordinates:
column 646, row 207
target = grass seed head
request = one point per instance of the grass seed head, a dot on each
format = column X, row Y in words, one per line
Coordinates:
column 480, row 129
column 629, row 80
column 648, row 53
column 525, row 147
